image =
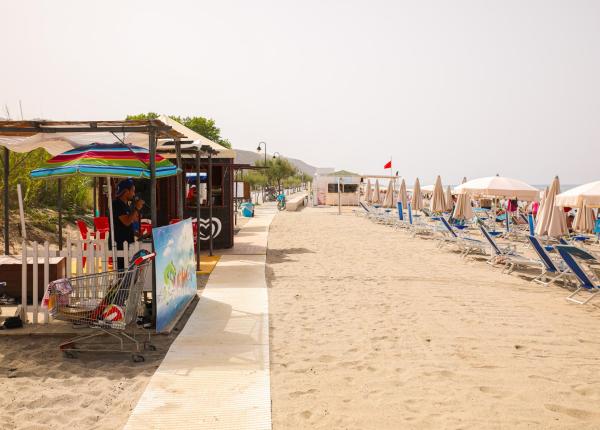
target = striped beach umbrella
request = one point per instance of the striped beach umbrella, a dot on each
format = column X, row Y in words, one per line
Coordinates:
column 116, row 160
column 110, row 160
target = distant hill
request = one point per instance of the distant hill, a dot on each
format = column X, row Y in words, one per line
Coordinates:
column 249, row 157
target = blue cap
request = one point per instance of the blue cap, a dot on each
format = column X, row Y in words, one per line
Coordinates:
column 124, row 185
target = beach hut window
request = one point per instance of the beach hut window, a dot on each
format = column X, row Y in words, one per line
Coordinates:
column 346, row 188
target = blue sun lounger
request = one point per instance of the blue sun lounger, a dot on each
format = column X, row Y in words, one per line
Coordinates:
column 587, row 281
column 552, row 271
column 507, row 255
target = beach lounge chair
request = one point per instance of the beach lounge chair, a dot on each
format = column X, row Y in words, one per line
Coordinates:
column 364, row 212
column 467, row 245
column 588, row 281
column 421, row 227
column 508, row 255
column 552, row 271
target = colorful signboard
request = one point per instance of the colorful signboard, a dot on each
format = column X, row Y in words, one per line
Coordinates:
column 175, row 265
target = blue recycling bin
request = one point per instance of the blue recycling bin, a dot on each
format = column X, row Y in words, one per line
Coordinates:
column 247, row 209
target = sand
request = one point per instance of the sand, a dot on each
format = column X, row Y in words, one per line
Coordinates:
column 40, row 389
column 373, row 329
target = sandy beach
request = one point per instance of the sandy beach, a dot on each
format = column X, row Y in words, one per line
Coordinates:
column 43, row 390
column 373, row 329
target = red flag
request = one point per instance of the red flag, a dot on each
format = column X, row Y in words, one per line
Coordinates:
column 388, row 165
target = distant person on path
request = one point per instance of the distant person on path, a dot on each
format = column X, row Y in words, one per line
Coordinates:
column 125, row 216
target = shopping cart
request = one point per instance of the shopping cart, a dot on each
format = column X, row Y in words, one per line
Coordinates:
column 108, row 302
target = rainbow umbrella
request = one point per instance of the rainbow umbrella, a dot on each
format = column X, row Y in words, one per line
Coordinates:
column 116, row 160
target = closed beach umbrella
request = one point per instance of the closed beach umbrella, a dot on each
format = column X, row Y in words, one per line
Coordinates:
column 448, row 199
column 388, row 201
column 417, row 198
column 551, row 220
column 588, row 194
column 438, row 203
column 402, row 196
column 375, row 198
column 584, row 220
column 369, row 192
column 463, row 209
column 499, row 186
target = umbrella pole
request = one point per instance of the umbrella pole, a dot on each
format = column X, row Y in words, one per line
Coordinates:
column 112, row 222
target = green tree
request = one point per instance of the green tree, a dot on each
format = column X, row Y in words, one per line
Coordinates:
column 278, row 169
column 44, row 192
column 255, row 178
column 142, row 116
column 203, row 126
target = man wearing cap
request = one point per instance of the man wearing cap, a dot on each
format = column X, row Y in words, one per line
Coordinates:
column 125, row 215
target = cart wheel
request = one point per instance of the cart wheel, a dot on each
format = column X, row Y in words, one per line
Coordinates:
column 70, row 354
column 149, row 347
column 66, row 346
column 136, row 358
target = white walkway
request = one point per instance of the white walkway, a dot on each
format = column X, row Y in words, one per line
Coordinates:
column 216, row 373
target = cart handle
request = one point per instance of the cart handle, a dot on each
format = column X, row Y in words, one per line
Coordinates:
column 143, row 258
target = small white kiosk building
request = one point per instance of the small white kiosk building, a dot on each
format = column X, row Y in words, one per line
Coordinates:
column 341, row 186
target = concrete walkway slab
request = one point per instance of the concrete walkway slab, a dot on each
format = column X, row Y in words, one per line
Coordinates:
column 216, row 373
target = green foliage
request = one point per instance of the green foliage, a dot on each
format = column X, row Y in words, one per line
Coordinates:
column 279, row 172
column 204, row 126
column 142, row 116
column 255, row 178
column 39, row 193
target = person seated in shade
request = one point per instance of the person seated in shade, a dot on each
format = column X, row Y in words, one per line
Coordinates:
column 126, row 216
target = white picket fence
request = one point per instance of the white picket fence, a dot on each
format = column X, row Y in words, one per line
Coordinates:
column 95, row 252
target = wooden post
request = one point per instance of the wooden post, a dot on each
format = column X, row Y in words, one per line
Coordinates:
column 153, row 211
column 60, row 238
column 180, row 177
column 198, row 212
column 46, row 275
column 95, row 197
column 6, row 200
column 24, row 282
column 210, row 203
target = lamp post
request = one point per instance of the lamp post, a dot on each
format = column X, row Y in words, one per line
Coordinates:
column 265, row 166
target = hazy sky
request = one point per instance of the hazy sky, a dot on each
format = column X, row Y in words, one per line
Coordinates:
column 457, row 88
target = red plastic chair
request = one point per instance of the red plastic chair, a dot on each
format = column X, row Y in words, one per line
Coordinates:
column 84, row 231
column 145, row 228
column 174, row 221
column 85, row 234
column 102, row 226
